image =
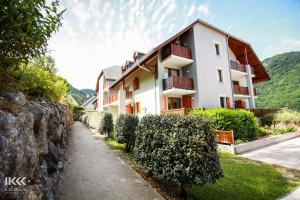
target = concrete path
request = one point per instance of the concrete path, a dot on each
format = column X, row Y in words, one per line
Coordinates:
column 293, row 196
column 285, row 154
column 94, row 172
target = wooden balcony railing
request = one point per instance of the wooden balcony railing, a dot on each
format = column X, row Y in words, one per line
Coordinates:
column 113, row 98
column 128, row 95
column 177, row 50
column 237, row 66
column 178, row 111
column 237, row 89
column 178, row 82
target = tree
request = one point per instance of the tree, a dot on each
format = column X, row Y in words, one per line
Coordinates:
column 25, row 27
column 46, row 62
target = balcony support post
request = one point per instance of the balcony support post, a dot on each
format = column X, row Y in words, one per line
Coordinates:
column 250, row 87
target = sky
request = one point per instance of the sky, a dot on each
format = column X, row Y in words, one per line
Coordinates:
column 100, row 33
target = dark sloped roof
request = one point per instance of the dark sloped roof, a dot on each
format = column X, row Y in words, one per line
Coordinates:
column 112, row 72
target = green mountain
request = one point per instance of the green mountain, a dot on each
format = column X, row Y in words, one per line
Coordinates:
column 80, row 95
column 283, row 90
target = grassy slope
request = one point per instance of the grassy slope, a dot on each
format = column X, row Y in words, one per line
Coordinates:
column 283, row 89
column 245, row 180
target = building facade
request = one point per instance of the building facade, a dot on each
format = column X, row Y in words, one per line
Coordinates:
column 199, row 67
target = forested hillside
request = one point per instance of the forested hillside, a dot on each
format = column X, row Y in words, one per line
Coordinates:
column 80, row 95
column 283, row 90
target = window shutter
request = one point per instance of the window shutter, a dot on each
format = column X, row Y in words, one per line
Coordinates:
column 187, row 101
column 136, row 83
column 228, row 102
column 137, row 107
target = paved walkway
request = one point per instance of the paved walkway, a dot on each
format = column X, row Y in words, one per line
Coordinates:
column 285, row 154
column 94, row 172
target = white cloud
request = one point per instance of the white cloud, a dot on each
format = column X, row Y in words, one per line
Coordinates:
column 80, row 11
column 204, row 10
column 285, row 45
column 291, row 43
column 191, row 11
column 98, row 34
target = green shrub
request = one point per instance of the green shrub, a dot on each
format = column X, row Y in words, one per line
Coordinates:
column 177, row 150
column 92, row 119
column 287, row 116
column 35, row 81
column 78, row 109
column 242, row 122
column 125, row 130
column 106, row 125
column 279, row 131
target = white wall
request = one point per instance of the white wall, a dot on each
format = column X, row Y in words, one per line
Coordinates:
column 146, row 92
column 207, row 63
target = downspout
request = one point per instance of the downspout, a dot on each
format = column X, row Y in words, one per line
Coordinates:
column 232, row 94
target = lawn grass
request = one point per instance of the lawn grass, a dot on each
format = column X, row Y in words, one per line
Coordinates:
column 112, row 144
column 245, row 180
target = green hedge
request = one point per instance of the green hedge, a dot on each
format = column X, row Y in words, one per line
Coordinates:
column 107, row 124
column 177, row 150
column 92, row 119
column 242, row 122
column 125, row 130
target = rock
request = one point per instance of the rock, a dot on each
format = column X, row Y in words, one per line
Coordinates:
column 14, row 97
column 33, row 137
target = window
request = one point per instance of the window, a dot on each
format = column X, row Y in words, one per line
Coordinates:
column 222, row 102
column 173, row 72
column 174, row 103
column 217, row 48
column 220, row 75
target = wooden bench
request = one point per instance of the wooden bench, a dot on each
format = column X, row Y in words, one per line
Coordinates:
column 224, row 137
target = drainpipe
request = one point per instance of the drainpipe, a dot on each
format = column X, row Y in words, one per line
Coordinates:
column 232, row 94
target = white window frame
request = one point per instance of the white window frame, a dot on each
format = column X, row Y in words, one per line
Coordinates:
column 222, row 74
column 224, row 96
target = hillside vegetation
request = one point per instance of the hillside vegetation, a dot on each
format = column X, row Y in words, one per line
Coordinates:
column 80, row 95
column 283, row 90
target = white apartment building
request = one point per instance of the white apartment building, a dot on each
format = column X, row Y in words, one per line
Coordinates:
column 199, row 67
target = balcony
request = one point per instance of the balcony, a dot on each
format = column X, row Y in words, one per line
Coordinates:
column 176, row 56
column 240, row 90
column 112, row 100
column 238, row 70
column 177, row 85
